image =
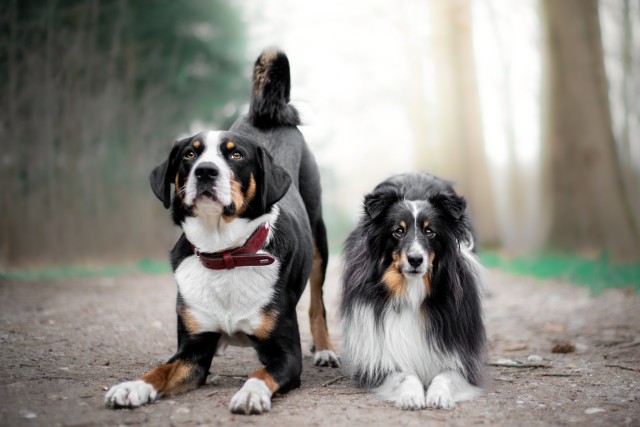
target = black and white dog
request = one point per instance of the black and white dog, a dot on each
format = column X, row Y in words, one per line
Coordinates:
column 248, row 202
column 411, row 309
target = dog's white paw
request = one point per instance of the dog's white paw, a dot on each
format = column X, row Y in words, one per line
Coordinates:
column 326, row 358
column 130, row 394
column 440, row 397
column 404, row 390
column 411, row 402
column 253, row 398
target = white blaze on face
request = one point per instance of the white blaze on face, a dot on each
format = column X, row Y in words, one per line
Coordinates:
column 415, row 249
column 222, row 184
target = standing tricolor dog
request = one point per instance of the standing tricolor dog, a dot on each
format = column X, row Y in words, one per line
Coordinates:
column 411, row 310
column 248, row 202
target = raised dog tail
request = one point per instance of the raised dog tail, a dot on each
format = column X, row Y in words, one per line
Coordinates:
column 270, row 92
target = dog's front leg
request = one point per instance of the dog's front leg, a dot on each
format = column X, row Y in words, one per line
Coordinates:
column 282, row 356
column 404, row 390
column 448, row 388
column 186, row 370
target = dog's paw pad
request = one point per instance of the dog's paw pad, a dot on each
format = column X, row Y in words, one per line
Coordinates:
column 411, row 402
column 326, row 358
column 130, row 394
column 253, row 398
column 440, row 398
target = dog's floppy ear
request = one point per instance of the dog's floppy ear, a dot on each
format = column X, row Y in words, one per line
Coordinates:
column 377, row 202
column 162, row 175
column 274, row 180
column 451, row 203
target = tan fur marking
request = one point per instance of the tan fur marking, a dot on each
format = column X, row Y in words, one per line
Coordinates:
column 196, row 144
column 425, row 224
column 317, row 319
column 261, row 71
column 393, row 278
column 251, row 191
column 178, row 187
column 263, row 375
column 230, row 145
column 237, row 198
column 403, row 224
column 189, row 321
column 426, row 279
column 172, row 378
column 267, row 323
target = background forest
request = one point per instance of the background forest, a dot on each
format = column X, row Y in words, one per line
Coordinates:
column 531, row 107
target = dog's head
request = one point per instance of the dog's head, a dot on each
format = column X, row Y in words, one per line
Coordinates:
column 220, row 173
column 410, row 237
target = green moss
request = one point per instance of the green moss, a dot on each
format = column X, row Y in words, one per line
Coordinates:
column 144, row 266
column 597, row 274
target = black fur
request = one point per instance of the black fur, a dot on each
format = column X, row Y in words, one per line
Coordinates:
column 453, row 307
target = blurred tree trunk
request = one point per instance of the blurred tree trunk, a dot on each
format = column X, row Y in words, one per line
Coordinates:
column 462, row 157
column 590, row 210
column 628, row 150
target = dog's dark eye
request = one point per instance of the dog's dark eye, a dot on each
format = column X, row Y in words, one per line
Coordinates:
column 398, row 232
column 428, row 232
column 236, row 155
column 189, row 155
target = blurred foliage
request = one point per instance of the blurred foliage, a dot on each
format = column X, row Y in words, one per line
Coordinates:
column 597, row 274
column 93, row 93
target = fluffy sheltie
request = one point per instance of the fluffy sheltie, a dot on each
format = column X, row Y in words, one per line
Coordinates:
column 411, row 310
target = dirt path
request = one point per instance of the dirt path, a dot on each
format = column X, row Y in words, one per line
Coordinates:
column 62, row 342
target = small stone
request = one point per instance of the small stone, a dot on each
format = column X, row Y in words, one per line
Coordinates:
column 507, row 362
column 30, row 415
column 519, row 402
column 591, row 411
column 564, row 347
column 182, row 410
column 534, row 358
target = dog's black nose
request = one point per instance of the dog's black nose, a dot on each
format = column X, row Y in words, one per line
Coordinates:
column 414, row 260
column 206, row 171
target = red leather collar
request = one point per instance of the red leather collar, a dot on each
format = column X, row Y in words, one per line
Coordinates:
column 245, row 256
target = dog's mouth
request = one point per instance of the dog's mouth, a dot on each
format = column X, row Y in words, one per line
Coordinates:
column 206, row 194
column 413, row 272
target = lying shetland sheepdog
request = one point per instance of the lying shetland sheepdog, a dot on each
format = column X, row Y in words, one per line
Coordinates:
column 411, row 309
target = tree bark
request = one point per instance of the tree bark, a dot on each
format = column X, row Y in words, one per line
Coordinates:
column 461, row 152
column 589, row 208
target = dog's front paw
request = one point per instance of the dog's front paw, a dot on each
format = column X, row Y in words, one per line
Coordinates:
column 130, row 394
column 253, row 398
column 440, row 397
column 411, row 402
column 326, row 358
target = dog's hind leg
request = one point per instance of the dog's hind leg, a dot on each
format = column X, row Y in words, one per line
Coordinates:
column 324, row 353
column 186, row 370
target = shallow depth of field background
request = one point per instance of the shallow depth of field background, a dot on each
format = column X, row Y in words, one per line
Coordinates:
column 530, row 107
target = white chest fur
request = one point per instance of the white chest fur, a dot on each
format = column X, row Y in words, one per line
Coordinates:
column 226, row 301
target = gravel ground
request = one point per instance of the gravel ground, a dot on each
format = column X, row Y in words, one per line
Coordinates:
column 63, row 342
